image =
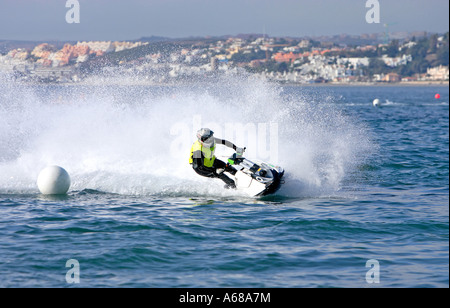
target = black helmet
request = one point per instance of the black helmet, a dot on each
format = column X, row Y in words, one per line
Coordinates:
column 206, row 137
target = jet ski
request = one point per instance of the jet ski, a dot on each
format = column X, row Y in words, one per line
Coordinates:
column 256, row 178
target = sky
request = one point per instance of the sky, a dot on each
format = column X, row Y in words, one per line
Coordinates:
column 133, row 19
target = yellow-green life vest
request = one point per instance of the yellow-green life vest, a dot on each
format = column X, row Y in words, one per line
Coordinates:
column 208, row 153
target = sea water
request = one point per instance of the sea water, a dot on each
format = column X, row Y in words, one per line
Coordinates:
column 364, row 203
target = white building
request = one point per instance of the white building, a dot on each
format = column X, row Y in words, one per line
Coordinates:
column 357, row 62
column 438, row 73
column 393, row 62
column 105, row 46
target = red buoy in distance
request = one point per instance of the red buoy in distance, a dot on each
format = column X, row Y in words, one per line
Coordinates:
column 437, row 96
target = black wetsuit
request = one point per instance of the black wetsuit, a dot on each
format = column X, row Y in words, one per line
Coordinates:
column 211, row 172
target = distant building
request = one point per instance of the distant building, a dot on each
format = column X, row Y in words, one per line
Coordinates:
column 409, row 79
column 19, row 54
column 304, row 44
column 392, row 77
column 438, row 73
column 286, row 57
column 394, row 62
column 43, row 51
column 357, row 62
column 105, row 46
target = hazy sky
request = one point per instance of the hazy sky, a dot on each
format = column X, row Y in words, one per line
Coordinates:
column 132, row 19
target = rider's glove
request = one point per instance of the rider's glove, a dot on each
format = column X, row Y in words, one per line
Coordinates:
column 240, row 151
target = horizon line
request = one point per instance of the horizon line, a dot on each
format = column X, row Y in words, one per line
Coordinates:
column 226, row 35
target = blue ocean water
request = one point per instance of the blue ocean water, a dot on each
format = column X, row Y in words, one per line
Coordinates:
column 362, row 183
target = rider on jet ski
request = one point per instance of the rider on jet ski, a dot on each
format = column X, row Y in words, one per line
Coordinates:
column 205, row 163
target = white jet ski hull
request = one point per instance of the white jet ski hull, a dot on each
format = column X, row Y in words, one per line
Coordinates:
column 256, row 179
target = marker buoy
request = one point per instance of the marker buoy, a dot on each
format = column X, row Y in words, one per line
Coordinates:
column 437, row 96
column 376, row 102
column 53, row 180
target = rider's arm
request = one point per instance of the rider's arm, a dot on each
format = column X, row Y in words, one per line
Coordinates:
column 226, row 143
column 239, row 151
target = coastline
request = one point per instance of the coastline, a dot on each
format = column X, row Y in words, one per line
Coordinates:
column 328, row 84
column 377, row 84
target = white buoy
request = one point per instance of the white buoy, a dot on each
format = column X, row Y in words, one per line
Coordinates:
column 376, row 102
column 53, row 180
